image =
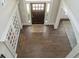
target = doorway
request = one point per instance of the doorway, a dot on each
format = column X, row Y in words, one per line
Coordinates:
column 38, row 13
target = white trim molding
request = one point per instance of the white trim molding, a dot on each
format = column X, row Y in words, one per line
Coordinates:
column 74, row 53
column 73, row 20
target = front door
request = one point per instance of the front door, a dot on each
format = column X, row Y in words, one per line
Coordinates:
column 38, row 13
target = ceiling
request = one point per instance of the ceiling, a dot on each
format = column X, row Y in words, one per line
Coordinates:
column 37, row 0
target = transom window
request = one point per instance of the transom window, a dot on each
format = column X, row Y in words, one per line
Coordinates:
column 37, row 7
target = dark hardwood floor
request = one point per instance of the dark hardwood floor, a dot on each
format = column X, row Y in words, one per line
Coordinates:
column 39, row 41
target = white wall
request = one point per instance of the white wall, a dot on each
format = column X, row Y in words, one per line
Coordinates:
column 63, row 15
column 5, row 13
column 23, row 13
column 53, row 11
column 73, row 5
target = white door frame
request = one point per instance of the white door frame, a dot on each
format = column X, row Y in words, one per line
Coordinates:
column 46, row 14
column 58, row 16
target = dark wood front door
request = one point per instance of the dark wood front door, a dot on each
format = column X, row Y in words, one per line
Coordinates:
column 38, row 13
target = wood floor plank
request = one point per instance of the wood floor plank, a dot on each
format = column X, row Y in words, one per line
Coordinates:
column 46, row 43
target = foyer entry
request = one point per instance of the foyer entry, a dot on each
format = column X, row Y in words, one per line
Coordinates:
column 43, row 43
column 38, row 13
